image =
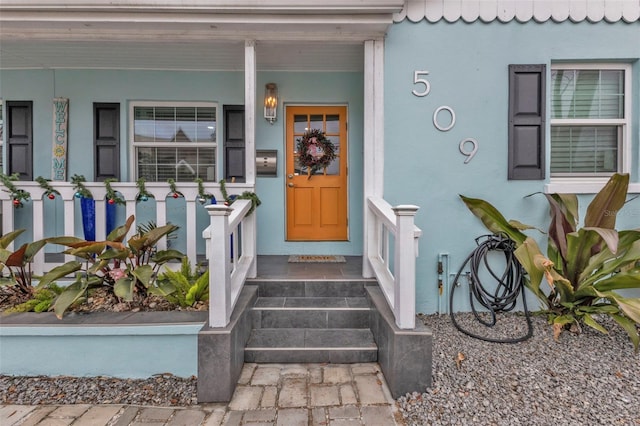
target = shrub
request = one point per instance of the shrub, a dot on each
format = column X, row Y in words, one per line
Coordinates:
column 584, row 266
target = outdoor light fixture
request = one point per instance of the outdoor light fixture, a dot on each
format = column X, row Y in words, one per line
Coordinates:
column 270, row 102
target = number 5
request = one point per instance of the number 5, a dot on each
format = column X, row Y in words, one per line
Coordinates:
column 418, row 80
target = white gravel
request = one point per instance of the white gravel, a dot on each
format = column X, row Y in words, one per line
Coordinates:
column 585, row 379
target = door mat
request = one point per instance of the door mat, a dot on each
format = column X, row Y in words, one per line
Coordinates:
column 306, row 258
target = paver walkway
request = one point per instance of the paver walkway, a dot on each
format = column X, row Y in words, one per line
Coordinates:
column 267, row 394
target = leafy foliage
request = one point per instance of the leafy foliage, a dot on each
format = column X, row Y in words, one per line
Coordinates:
column 128, row 269
column 18, row 262
column 185, row 287
column 584, row 266
column 41, row 300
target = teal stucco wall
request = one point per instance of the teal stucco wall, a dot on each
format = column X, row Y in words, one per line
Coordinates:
column 84, row 87
column 468, row 71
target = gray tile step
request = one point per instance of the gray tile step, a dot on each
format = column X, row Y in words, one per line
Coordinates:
column 311, row 288
column 311, row 312
column 311, row 345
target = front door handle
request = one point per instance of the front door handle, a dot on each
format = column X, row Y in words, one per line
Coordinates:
column 290, row 185
column 290, row 176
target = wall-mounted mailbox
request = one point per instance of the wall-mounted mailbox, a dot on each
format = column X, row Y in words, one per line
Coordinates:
column 267, row 162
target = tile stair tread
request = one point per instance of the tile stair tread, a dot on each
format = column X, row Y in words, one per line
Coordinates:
column 324, row 303
column 308, row 338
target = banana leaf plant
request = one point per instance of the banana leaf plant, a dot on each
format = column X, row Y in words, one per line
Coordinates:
column 126, row 268
column 584, row 266
column 18, row 262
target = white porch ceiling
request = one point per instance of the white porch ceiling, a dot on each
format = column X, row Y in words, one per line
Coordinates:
column 172, row 55
column 296, row 35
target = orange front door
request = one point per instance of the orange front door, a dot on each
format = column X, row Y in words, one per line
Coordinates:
column 317, row 202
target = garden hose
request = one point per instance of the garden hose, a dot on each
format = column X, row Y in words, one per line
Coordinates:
column 509, row 285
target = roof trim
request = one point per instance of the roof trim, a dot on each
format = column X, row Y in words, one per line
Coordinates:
column 520, row 10
column 217, row 6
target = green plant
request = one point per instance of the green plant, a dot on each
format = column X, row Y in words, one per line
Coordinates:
column 49, row 191
column 78, row 184
column 143, row 194
column 19, row 196
column 185, row 287
column 42, row 299
column 202, row 195
column 112, row 195
column 127, row 269
column 246, row 195
column 18, row 262
column 584, row 266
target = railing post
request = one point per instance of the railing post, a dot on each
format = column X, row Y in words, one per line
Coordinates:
column 405, row 267
column 219, row 266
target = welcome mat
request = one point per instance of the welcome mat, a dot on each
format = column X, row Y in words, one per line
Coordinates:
column 309, row 258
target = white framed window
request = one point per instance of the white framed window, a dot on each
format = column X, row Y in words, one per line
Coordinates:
column 173, row 140
column 590, row 114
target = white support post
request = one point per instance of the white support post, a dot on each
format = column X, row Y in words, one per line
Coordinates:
column 405, row 267
column 191, row 229
column 38, row 234
column 250, row 110
column 249, row 237
column 219, row 266
column 373, row 141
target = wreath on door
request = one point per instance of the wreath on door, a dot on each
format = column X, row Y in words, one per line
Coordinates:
column 315, row 151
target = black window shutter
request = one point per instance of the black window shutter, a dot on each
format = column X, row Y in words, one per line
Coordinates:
column 106, row 141
column 20, row 138
column 526, row 122
column 234, row 151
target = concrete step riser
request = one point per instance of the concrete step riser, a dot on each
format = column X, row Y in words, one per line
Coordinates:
column 311, row 356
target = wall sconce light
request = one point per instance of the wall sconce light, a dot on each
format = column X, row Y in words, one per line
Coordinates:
column 270, row 102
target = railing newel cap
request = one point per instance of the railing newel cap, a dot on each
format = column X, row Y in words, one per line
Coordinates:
column 405, row 209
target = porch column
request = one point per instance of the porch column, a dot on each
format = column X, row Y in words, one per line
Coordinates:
column 250, row 110
column 250, row 143
column 373, row 142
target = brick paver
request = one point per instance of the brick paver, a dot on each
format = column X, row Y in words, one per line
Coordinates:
column 267, row 394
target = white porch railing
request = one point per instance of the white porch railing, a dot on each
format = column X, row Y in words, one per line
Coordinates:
column 231, row 251
column 398, row 279
column 128, row 191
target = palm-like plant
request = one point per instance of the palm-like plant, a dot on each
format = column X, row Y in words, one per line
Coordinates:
column 584, row 267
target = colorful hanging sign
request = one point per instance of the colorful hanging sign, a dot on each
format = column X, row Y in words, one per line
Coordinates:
column 60, row 137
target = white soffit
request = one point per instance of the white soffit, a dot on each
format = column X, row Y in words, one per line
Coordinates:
column 520, row 10
column 191, row 56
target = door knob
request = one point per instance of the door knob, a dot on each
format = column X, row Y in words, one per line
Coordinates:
column 290, row 184
column 290, row 176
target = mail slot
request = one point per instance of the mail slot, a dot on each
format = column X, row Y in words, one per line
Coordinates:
column 267, row 162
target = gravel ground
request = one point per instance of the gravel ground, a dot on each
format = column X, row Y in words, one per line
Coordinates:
column 161, row 390
column 586, row 379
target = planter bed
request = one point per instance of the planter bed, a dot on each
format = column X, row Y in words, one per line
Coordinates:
column 124, row 344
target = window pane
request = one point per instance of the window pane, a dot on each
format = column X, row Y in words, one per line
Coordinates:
column 333, row 124
column 170, row 127
column 185, row 124
column 316, row 122
column 584, row 149
column 589, row 94
column 300, row 124
column 143, row 124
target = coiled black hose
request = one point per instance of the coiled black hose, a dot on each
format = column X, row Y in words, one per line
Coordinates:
column 509, row 285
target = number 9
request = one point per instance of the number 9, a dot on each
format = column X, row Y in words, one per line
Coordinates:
column 468, row 154
column 418, row 80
